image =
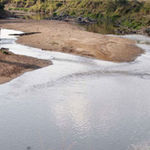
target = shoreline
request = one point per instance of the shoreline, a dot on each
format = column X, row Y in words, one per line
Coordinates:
column 12, row 65
column 65, row 37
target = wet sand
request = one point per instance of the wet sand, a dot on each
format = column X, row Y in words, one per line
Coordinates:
column 64, row 37
column 11, row 65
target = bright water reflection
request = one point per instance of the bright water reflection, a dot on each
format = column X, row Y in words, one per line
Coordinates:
column 76, row 104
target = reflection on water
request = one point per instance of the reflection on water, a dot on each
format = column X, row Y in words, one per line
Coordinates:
column 77, row 103
column 37, row 16
column 103, row 28
column 30, row 15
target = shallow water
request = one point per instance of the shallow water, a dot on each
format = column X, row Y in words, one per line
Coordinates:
column 77, row 103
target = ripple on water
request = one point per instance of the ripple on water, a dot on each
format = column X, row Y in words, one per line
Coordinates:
column 96, row 105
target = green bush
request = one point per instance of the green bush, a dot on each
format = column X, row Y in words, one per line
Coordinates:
column 1, row 6
column 132, row 14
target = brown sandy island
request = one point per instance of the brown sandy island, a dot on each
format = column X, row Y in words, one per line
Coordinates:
column 12, row 65
column 65, row 37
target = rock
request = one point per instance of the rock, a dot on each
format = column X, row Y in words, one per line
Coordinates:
column 67, row 18
column 147, row 31
column 123, row 31
column 4, row 51
column 84, row 20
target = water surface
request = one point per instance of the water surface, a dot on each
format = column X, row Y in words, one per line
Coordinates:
column 77, row 103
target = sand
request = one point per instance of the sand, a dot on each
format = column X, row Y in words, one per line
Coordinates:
column 12, row 66
column 65, row 37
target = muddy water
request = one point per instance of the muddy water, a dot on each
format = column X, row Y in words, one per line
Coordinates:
column 77, row 103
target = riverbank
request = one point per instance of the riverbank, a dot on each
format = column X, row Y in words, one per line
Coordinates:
column 119, row 17
column 12, row 65
column 64, row 37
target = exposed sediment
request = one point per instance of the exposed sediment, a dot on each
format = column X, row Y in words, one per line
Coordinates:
column 12, row 65
column 64, row 37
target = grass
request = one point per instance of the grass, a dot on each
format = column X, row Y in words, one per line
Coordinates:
column 132, row 14
column 19, row 9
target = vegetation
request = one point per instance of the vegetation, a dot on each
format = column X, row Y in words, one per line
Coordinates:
column 1, row 10
column 130, row 14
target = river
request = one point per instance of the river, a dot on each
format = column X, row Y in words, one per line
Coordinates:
column 77, row 103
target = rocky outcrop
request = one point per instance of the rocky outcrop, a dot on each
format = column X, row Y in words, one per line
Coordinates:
column 67, row 18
